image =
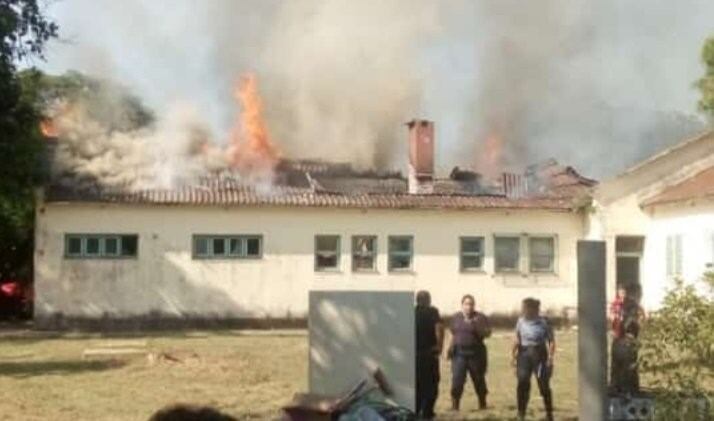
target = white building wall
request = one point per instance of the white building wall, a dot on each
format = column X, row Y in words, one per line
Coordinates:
column 695, row 223
column 165, row 280
column 622, row 217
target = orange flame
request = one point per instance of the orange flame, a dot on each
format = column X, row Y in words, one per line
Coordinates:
column 251, row 148
column 49, row 128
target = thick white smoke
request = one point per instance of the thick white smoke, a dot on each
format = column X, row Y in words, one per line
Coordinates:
column 172, row 152
column 593, row 84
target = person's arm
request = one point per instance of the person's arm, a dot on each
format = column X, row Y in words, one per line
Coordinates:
column 516, row 345
column 439, row 336
column 486, row 327
column 449, row 349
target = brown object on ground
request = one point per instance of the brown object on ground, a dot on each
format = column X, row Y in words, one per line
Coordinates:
column 307, row 406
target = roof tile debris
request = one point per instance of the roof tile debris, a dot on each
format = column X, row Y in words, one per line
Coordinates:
column 315, row 184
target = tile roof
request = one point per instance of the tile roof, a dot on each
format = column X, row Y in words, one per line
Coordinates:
column 323, row 185
column 699, row 186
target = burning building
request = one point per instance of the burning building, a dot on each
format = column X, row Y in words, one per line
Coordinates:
column 224, row 248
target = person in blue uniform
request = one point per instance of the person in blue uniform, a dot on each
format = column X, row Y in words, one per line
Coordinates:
column 468, row 352
column 429, row 343
column 533, row 352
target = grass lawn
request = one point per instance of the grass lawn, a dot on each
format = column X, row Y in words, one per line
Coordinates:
column 246, row 375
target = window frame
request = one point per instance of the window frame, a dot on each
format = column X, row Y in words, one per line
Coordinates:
column 390, row 253
column 519, row 264
column 101, row 246
column 481, row 254
column 373, row 254
column 554, row 257
column 226, row 238
column 338, row 254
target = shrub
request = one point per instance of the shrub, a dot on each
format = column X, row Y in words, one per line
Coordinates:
column 677, row 351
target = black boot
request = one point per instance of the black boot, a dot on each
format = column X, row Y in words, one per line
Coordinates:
column 482, row 402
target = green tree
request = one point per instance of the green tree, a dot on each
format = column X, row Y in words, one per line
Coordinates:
column 678, row 350
column 24, row 32
column 706, row 84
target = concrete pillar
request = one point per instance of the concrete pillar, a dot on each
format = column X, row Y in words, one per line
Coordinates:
column 592, row 331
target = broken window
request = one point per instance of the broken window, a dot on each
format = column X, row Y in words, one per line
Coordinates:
column 364, row 253
column 401, row 252
column 542, row 254
column 472, row 253
column 327, row 252
column 227, row 246
column 100, row 245
column 507, row 253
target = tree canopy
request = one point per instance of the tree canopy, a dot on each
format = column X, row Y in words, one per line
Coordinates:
column 24, row 31
column 706, row 83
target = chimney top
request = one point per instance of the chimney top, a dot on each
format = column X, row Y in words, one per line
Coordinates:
column 421, row 156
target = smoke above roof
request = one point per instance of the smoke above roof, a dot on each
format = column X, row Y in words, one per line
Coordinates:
column 595, row 85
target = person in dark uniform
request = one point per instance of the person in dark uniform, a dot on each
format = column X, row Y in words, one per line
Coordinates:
column 533, row 352
column 468, row 352
column 429, row 343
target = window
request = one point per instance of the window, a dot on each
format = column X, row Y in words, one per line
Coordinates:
column 674, row 256
column 628, row 252
column 364, row 253
column 472, row 252
column 227, row 246
column 507, row 253
column 401, row 252
column 541, row 254
column 91, row 246
column 629, row 245
column 327, row 252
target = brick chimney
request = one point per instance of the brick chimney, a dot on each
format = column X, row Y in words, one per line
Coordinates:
column 421, row 156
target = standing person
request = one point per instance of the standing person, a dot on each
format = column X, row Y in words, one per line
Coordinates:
column 468, row 352
column 429, row 343
column 625, row 315
column 533, row 352
column 616, row 311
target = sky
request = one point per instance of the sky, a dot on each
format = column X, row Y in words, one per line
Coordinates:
column 598, row 85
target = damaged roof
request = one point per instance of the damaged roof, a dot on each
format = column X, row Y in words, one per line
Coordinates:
column 316, row 184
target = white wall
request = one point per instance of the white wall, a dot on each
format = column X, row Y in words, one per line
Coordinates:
column 167, row 280
column 695, row 223
column 352, row 333
column 622, row 217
